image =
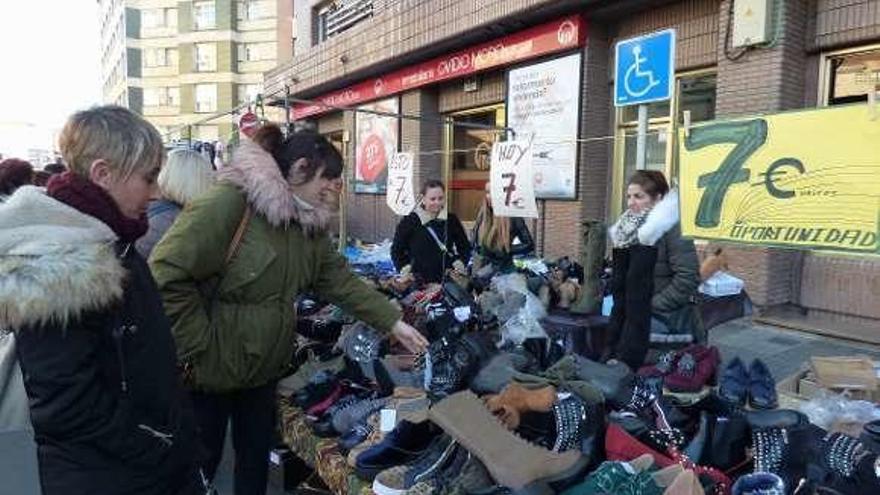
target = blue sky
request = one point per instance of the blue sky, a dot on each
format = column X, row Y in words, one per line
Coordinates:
column 49, row 67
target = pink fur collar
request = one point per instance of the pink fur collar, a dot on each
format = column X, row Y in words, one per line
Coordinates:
column 255, row 172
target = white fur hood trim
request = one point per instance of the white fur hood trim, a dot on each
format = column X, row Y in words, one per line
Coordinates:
column 255, row 172
column 55, row 262
column 661, row 219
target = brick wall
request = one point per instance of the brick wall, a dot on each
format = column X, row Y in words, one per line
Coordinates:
column 838, row 23
column 765, row 80
column 453, row 98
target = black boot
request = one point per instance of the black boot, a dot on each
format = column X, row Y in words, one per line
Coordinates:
column 636, row 334
column 619, row 268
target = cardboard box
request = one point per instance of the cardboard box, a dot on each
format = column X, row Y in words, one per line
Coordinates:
column 848, row 377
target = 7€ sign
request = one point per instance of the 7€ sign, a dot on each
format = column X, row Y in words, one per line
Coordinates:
column 399, row 193
column 512, row 180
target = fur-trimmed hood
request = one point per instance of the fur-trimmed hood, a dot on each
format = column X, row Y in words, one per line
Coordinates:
column 55, row 262
column 661, row 219
column 255, row 172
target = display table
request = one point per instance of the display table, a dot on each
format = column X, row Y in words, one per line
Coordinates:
column 321, row 454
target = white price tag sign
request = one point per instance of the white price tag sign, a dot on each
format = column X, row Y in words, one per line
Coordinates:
column 513, row 180
column 399, row 192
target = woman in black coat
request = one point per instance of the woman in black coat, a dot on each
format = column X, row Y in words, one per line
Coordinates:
column 429, row 239
column 93, row 342
column 498, row 239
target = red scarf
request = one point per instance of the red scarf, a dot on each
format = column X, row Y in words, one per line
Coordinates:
column 89, row 198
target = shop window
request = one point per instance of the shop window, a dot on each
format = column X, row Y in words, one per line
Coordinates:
column 695, row 92
column 204, row 15
column 206, row 98
column 850, row 76
column 206, row 57
column 468, row 158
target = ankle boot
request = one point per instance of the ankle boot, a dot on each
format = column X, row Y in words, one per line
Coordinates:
column 636, row 332
column 512, row 461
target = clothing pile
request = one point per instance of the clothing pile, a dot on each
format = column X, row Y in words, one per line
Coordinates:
column 479, row 413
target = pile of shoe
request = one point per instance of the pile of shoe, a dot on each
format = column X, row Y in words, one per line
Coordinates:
column 478, row 413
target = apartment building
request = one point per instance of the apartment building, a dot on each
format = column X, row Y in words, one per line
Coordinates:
column 178, row 62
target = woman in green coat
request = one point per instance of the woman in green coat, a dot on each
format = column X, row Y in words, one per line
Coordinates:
column 234, row 321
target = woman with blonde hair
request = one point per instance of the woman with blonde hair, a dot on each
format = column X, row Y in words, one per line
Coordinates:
column 185, row 176
column 498, row 239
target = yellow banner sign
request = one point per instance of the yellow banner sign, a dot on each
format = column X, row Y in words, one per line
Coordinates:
column 807, row 180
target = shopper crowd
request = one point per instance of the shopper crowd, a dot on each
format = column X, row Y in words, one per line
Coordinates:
column 128, row 372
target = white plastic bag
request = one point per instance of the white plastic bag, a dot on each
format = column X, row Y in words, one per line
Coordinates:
column 722, row 284
column 520, row 312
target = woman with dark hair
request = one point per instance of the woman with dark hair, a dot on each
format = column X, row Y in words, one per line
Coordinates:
column 14, row 173
column 498, row 239
column 229, row 270
column 655, row 271
column 430, row 240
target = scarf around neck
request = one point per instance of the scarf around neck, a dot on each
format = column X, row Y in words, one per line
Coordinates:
column 89, row 198
column 627, row 228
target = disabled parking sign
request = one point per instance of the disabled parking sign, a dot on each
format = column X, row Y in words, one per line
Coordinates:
column 645, row 69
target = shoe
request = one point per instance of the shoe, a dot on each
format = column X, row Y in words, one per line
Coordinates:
column 694, row 368
column 405, row 443
column 499, row 371
column 410, row 404
column 759, row 484
column 473, row 477
column 349, row 415
column 516, row 400
column 363, row 344
column 354, row 437
column 339, row 391
column 512, row 461
column 396, row 480
column 734, row 386
column 318, row 388
column 762, row 387
column 450, row 365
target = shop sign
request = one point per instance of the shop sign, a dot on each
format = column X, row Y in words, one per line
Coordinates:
column 400, row 196
column 551, row 37
column 543, row 103
column 512, row 180
column 376, row 142
column 807, row 179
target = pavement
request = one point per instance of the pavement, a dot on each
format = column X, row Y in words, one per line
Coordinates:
column 784, row 352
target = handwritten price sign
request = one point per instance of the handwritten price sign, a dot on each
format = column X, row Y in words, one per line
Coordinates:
column 399, row 192
column 808, row 180
column 512, row 180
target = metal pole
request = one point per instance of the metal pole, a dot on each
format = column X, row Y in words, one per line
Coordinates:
column 642, row 138
column 343, row 200
column 286, row 108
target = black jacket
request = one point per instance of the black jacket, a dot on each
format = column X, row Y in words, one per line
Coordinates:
column 414, row 245
column 501, row 260
column 96, row 351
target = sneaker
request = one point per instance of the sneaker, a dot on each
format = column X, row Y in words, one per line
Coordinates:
column 345, row 418
column 396, row 480
column 404, row 444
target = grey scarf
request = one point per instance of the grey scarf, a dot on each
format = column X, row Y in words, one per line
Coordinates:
column 626, row 230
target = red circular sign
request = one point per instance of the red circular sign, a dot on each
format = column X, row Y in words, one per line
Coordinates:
column 371, row 159
column 248, row 124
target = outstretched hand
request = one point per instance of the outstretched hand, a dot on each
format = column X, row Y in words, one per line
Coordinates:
column 409, row 337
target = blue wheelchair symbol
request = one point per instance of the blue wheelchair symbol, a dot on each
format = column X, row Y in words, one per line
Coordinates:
column 644, row 70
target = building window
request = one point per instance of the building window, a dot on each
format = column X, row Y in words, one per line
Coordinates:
column 850, row 76
column 338, row 16
column 206, row 98
column 247, row 93
column 204, row 15
column 696, row 93
column 159, row 18
column 162, row 97
column 252, row 10
column 206, row 57
column 160, row 57
column 254, row 52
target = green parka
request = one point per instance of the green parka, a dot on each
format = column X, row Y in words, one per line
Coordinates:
column 244, row 336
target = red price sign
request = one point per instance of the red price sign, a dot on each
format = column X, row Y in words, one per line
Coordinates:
column 372, row 159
